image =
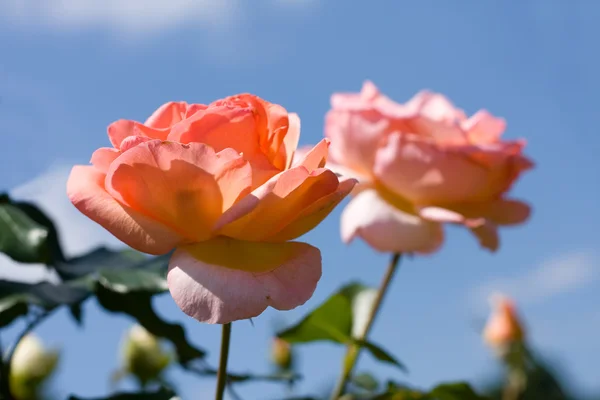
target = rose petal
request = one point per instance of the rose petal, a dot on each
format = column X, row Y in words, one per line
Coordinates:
column 355, row 138
column 386, row 228
column 291, row 139
column 277, row 203
column 167, row 115
column 212, row 293
column 425, row 174
column 435, row 106
column 223, row 127
column 500, row 211
column 186, row 187
column 484, row 128
column 103, row 157
column 485, row 230
column 487, row 234
column 315, row 157
column 312, row 215
column 85, row 189
column 123, row 128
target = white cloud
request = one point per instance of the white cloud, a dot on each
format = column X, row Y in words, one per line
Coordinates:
column 78, row 234
column 136, row 16
column 553, row 277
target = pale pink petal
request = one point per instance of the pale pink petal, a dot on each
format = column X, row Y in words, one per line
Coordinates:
column 355, row 138
column 483, row 127
column 485, row 230
column 85, row 189
column 386, row 228
column 436, row 107
column 424, row 173
column 216, row 294
column 499, row 211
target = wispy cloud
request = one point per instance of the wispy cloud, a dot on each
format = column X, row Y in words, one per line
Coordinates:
column 78, row 234
column 553, row 277
column 134, row 16
column 128, row 16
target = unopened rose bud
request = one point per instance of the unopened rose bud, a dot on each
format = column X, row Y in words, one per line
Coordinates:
column 281, row 354
column 143, row 356
column 503, row 328
column 31, row 366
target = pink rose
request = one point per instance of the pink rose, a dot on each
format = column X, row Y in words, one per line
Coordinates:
column 421, row 164
column 503, row 327
column 215, row 183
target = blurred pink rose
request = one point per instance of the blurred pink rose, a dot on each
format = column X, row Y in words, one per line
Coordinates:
column 503, row 327
column 215, row 183
column 421, row 164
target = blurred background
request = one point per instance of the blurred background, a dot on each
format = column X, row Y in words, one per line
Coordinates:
column 68, row 68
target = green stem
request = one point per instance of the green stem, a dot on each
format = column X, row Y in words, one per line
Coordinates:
column 222, row 372
column 353, row 350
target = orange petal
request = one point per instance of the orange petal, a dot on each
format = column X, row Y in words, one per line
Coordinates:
column 220, row 127
column 315, row 157
column 103, row 157
column 273, row 206
column 312, row 215
column 167, row 115
column 123, row 128
column 185, row 187
column 284, row 156
column 85, row 189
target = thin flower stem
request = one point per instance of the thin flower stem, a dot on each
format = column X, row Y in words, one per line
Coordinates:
column 353, row 350
column 222, row 372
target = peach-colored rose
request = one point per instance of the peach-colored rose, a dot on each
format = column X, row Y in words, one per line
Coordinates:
column 420, row 164
column 215, row 183
column 503, row 327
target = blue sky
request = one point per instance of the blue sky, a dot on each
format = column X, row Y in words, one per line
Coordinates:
column 68, row 69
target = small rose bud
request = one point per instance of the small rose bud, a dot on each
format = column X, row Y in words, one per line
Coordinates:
column 503, row 328
column 142, row 355
column 281, row 354
column 31, row 366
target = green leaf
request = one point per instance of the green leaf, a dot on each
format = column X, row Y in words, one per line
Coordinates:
column 280, row 376
column 123, row 282
column 446, row 391
column 365, row 381
column 161, row 394
column 54, row 250
column 454, row 391
column 76, row 312
column 101, row 258
column 331, row 321
column 339, row 318
column 380, row 354
column 21, row 238
column 16, row 297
